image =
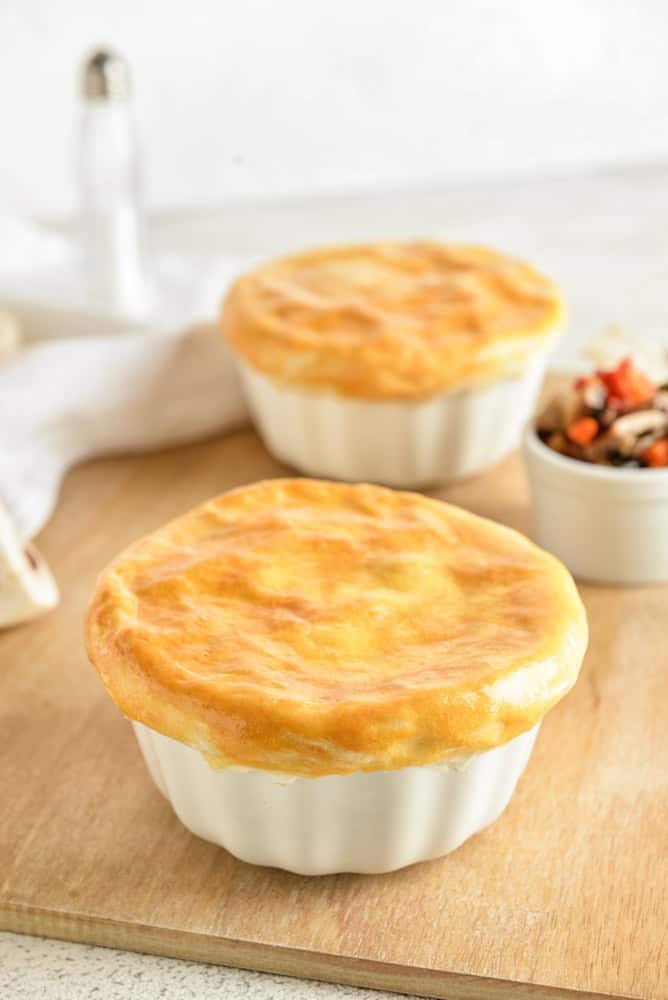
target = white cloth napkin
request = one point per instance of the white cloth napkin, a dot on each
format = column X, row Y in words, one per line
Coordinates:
column 87, row 385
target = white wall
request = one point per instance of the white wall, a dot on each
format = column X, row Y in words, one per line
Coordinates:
column 264, row 97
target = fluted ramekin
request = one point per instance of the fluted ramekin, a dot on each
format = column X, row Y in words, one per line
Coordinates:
column 365, row 822
column 403, row 443
column 606, row 524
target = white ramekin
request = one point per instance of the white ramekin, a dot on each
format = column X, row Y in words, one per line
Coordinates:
column 396, row 443
column 606, row 524
column 364, row 822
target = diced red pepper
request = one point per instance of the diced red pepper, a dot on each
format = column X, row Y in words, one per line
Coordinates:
column 582, row 431
column 656, row 456
column 626, row 386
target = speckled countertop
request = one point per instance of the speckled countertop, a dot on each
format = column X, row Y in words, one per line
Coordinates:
column 38, row 969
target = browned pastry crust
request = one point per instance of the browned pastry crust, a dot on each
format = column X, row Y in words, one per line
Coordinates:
column 391, row 320
column 315, row 628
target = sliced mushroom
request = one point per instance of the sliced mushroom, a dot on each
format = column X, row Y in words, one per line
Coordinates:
column 632, row 425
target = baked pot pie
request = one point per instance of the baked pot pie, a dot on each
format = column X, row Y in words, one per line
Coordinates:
column 329, row 677
column 402, row 363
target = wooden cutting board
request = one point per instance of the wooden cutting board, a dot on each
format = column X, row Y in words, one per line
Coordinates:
column 566, row 894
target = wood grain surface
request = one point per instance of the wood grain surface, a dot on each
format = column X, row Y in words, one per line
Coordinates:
column 565, row 894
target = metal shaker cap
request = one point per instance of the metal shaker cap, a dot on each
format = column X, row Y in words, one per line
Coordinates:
column 105, row 76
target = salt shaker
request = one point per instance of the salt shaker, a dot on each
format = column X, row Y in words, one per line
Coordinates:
column 114, row 251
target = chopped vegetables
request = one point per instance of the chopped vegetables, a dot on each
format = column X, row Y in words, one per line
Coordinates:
column 582, row 431
column 626, row 387
column 656, row 456
column 611, row 417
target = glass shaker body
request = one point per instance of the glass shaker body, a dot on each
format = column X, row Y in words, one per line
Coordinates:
column 113, row 237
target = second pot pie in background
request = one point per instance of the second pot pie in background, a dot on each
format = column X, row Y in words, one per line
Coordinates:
column 401, row 363
column 389, row 655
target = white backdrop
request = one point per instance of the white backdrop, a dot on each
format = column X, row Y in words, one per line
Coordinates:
column 270, row 97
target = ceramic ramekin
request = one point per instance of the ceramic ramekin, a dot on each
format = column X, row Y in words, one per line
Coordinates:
column 397, row 443
column 365, row 822
column 606, row 524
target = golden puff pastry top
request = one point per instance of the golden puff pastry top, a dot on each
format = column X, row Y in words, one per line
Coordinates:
column 391, row 320
column 312, row 628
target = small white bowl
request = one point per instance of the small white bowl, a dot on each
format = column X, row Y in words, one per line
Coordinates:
column 365, row 822
column 401, row 443
column 607, row 525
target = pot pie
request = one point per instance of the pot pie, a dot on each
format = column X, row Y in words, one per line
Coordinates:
column 315, row 628
column 391, row 320
column 406, row 363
